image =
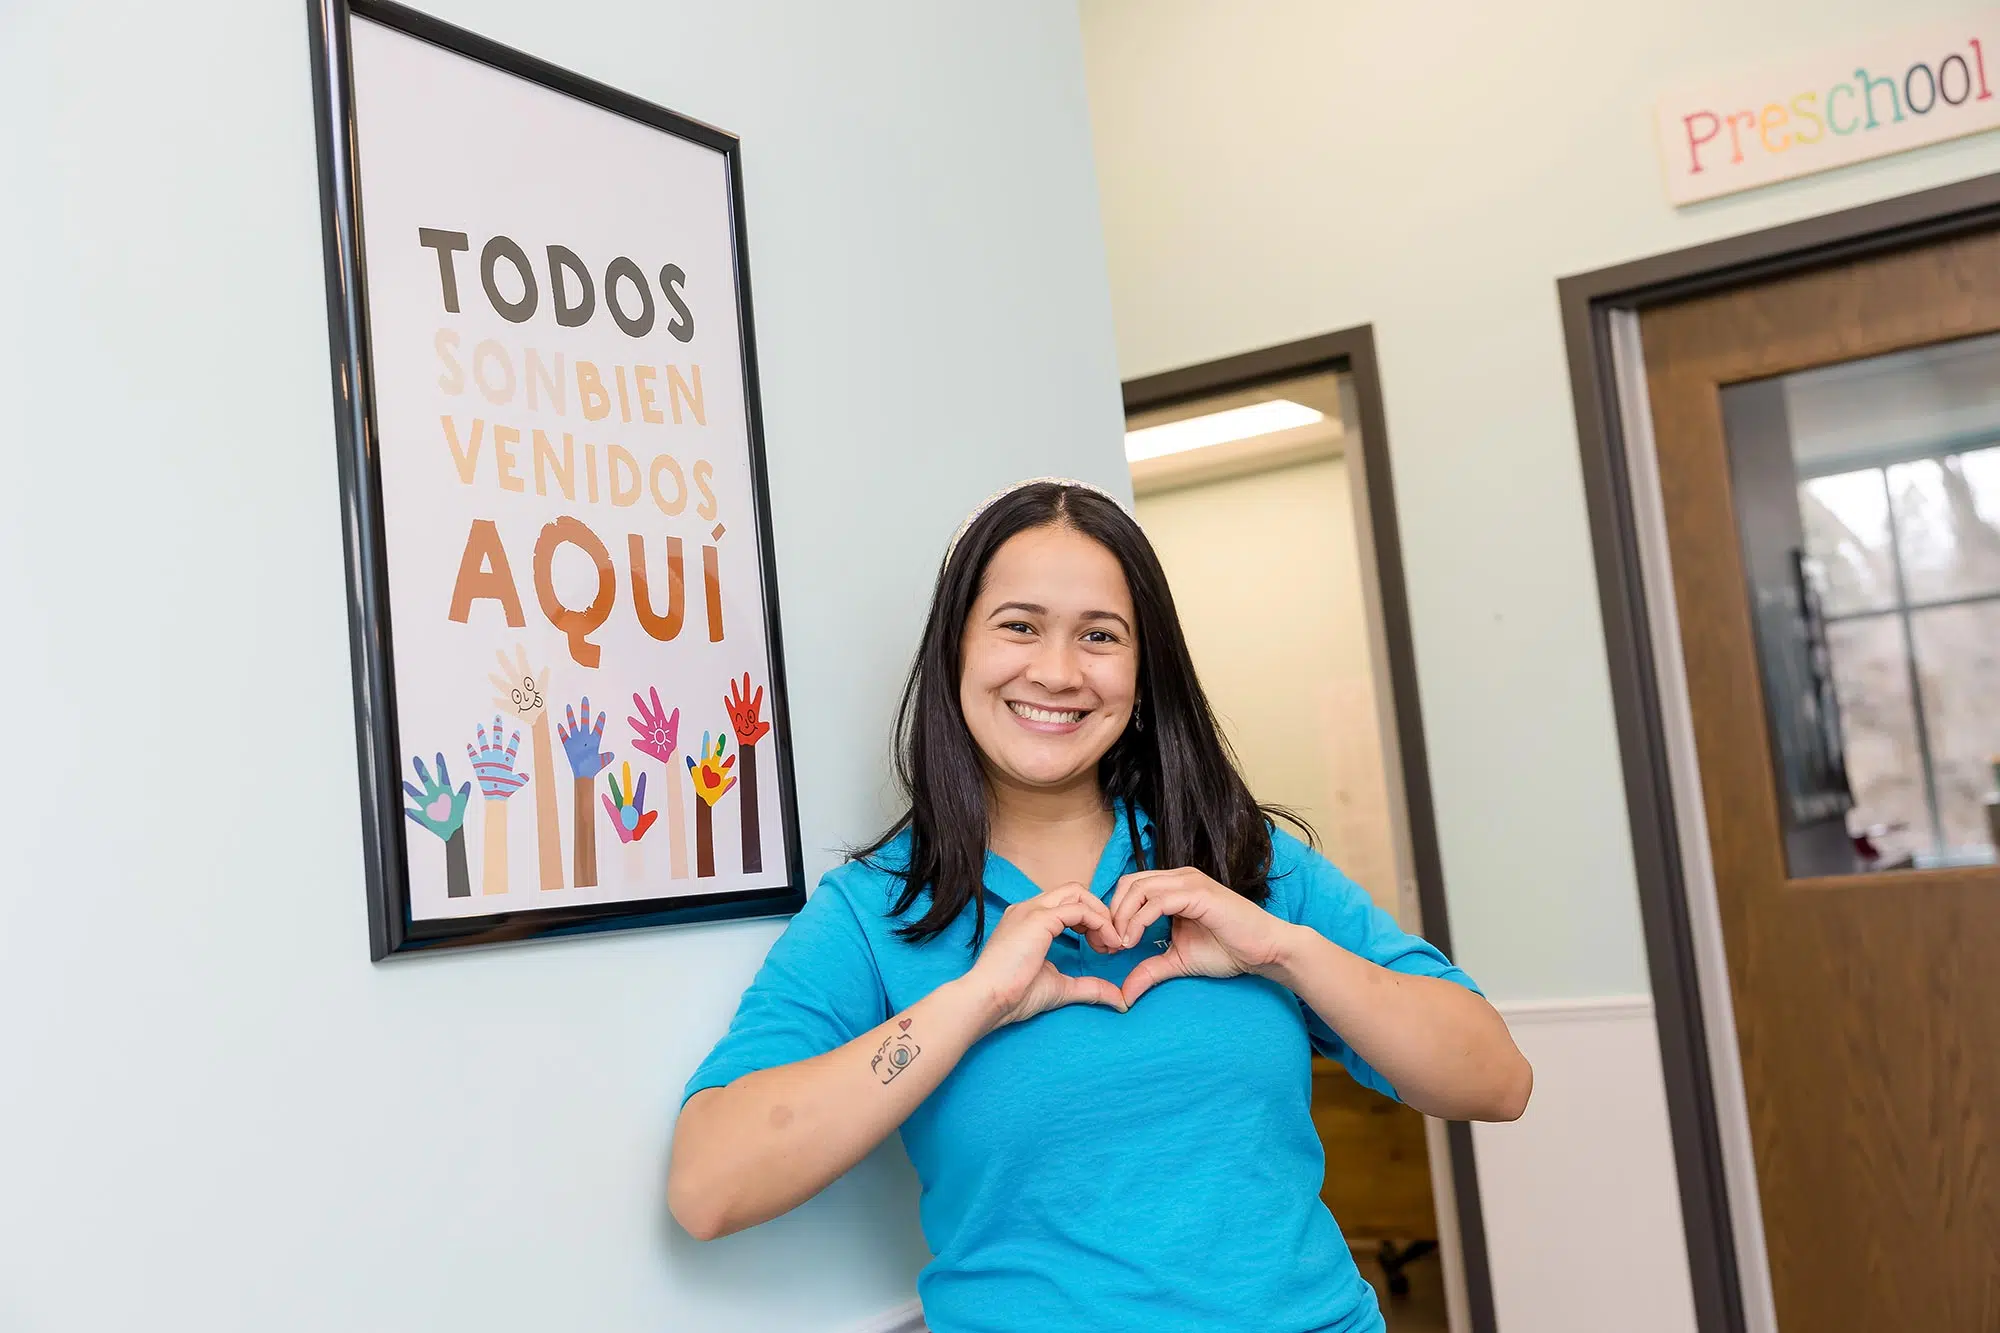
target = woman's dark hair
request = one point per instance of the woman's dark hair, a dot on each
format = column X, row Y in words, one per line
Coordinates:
column 1177, row 767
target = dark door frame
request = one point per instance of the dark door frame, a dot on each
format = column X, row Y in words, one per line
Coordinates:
column 1353, row 351
column 1588, row 302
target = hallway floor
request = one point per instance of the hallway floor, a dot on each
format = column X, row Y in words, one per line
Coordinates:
column 1423, row 1310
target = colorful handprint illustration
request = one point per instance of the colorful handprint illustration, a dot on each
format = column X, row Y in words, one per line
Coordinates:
column 657, row 733
column 584, row 746
column 524, row 695
column 712, row 782
column 493, row 765
column 627, row 805
column 744, row 709
column 442, row 811
column 629, row 820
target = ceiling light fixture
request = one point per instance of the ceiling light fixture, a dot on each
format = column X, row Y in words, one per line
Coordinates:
column 1237, row 423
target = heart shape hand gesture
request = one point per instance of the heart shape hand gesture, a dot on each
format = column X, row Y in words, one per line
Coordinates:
column 1217, row 932
column 1014, row 975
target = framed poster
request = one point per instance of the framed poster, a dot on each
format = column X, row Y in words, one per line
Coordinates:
column 569, row 690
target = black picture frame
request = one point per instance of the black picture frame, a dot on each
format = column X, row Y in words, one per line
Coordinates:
column 391, row 927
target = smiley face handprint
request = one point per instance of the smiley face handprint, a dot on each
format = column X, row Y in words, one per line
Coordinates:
column 442, row 810
column 745, row 710
column 712, row 782
column 518, row 690
column 525, row 695
column 583, row 744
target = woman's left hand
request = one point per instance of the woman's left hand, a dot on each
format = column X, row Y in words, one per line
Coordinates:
column 1217, row 932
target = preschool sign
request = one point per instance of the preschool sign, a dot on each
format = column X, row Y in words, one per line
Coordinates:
column 569, row 691
column 1873, row 98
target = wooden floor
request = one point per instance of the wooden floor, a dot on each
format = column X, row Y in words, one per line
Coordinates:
column 1422, row 1311
column 1378, row 1171
column 1378, row 1187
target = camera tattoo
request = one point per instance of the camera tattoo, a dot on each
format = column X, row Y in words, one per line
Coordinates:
column 896, row 1054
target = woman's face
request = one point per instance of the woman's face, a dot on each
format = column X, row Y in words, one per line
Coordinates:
column 1050, row 658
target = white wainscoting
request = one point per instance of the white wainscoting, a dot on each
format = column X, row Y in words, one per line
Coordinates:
column 1582, row 1207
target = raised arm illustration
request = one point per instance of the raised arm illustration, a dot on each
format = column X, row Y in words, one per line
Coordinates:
column 442, row 811
column 493, row 765
column 744, row 708
column 629, row 820
column 587, row 758
column 627, row 806
column 658, row 734
column 524, row 695
column 712, row 782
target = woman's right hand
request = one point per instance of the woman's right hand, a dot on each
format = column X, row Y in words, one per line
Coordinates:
column 1014, row 973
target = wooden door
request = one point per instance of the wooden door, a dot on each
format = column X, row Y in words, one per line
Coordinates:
column 1867, row 999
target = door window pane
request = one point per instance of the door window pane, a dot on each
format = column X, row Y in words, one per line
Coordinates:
column 1847, row 534
column 1867, row 502
column 1948, row 524
column 1958, row 662
column 1871, row 677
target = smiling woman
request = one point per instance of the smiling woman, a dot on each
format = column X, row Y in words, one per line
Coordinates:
column 1082, row 953
column 1011, row 693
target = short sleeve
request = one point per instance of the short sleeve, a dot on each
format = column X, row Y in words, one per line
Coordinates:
column 1310, row 890
column 817, row 990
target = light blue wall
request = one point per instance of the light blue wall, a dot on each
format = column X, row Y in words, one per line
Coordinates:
column 1277, row 170
column 215, row 1113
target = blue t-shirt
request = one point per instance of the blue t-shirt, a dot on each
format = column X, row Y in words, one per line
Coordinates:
column 1155, row 1170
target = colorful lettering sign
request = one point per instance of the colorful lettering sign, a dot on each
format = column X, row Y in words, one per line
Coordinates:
column 1884, row 96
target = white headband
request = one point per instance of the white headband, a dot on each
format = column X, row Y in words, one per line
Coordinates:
column 1006, row 491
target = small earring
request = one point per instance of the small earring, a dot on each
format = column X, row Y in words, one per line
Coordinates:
column 1138, row 719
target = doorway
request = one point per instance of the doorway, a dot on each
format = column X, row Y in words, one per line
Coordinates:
column 1792, row 444
column 1263, row 482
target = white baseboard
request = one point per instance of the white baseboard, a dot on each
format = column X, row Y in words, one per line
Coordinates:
column 905, row 1318
column 1583, row 1009
column 1581, row 1201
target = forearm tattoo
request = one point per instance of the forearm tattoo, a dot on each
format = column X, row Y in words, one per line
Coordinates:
column 898, row 1051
